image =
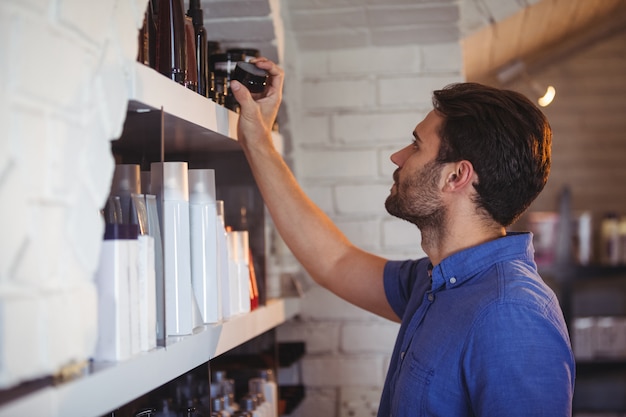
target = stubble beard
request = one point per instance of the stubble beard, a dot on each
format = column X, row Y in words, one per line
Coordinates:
column 417, row 201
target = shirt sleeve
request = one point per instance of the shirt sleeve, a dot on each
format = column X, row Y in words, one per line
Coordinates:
column 399, row 281
column 518, row 363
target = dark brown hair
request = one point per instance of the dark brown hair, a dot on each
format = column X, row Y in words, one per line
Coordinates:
column 506, row 138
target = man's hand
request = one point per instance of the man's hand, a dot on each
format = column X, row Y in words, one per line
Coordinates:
column 256, row 118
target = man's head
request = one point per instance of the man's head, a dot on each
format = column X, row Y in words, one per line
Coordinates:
column 505, row 137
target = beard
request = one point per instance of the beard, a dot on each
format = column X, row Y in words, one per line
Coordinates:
column 417, row 198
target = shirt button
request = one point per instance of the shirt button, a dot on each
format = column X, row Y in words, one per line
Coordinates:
column 453, row 280
column 401, row 355
column 431, row 297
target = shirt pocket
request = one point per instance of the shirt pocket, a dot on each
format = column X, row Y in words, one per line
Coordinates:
column 412, row 388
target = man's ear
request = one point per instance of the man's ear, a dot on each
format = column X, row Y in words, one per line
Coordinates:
column 459, row 175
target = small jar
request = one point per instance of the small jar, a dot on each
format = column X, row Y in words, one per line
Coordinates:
column 252, row 77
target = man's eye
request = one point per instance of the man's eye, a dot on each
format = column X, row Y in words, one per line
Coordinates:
column 415, row 144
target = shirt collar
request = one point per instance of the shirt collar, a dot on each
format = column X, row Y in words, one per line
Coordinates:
column 461, row 266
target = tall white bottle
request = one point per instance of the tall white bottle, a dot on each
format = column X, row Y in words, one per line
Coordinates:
column 169, row 181
column 204, row 253
column 117, row 268
column 229, row 308
column 243, row 269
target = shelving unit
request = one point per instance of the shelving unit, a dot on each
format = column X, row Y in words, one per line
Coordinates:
column 107, row 386
column 601, row 382
column 164, row 120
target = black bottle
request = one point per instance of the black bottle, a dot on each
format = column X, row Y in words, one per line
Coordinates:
column 202, row 58
column 171, row 47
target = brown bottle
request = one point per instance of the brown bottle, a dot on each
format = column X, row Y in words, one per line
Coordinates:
column 147, row 38
column 191, row 81
column 171, row 46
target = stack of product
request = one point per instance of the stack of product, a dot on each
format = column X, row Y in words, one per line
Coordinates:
column 168, row 262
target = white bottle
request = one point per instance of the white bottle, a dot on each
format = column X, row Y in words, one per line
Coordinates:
column 116, row 269
column 203, row 230
column 229, row 308
column 154, row 230
column 256, row 389
column 239, row 270
column 169, row 182
column 270, row 390
column 126, row 181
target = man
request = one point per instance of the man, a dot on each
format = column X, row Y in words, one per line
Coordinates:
column 481, row 334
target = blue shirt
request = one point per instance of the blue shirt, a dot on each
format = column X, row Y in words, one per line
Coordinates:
column 486, row 338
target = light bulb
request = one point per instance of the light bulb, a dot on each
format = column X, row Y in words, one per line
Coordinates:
column 547, row 97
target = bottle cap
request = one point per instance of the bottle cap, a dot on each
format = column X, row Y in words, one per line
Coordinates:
column 202, row 186
column 170, row 180
column 254, row 78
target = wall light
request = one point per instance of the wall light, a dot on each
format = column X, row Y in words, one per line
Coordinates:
column 517, row 70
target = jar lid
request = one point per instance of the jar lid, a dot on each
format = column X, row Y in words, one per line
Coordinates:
column 253, row 77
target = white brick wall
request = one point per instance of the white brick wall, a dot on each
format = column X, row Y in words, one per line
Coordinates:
column 63, row 97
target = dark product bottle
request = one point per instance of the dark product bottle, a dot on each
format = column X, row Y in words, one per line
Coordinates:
column 223, row 66
column 171, row 47
column 202, row 58
column 191, row 81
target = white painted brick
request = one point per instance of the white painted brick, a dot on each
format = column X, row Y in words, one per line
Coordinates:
column 412, row 90
column 403, row 15
column 409, row 35
column 314, row 129
column 27, row 127
column 15, row 227
column 337, row 164
column 322, row 196
column 68, row 65
column 39, row 263
column 348, row 17
column 359, row 199
column 90, row 19
column 126, row 22
column 20, row 333
column 363, row 233
column 313, row 64
column 368, row 127
column 320, row 304
column 97, row 163
column 442, row 57
column 83, row 228
column 319, row 337
column 368, row 337
column 375, row 60
column 333, row 39
column 357, row 93
column 216, row 9
column 110, row 92
column 241, row 29
column 337, row 371
column 317, row 402
column 57, row 175
column 398, row 232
